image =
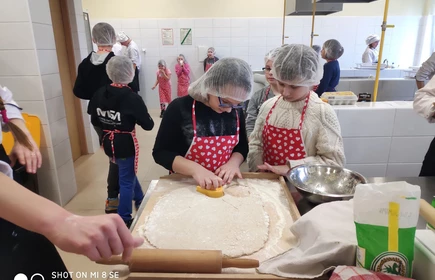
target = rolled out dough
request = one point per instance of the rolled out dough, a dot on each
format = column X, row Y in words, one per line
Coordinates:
column 186, row 219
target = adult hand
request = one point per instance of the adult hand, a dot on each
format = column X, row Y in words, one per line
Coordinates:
column 207, row 179
column 96, row 237
column 228, row 171
column 32, row 160
column 278, row 169
column 153, row 88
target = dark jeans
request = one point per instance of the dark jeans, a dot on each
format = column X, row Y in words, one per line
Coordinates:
column 428, row 168
column 22, row 251
column 130, row 187
column 113, row 176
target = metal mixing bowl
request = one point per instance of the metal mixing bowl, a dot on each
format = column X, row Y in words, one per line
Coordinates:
column 324, row 183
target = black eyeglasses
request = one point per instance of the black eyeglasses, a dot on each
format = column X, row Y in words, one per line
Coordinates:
column 266, row 69
column 228, row 105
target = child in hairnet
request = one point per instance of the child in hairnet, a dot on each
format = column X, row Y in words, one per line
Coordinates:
column 296, row 127
column 182, row 69
column 210, row 59
column 266, row 93
column 331, row 51
column 203, row 134
column 164, row 83
column 116, row 110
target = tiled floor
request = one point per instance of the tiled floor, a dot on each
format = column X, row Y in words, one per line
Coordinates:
column 91, row 173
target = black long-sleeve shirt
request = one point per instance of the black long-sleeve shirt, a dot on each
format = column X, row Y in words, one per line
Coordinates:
column 176, row 130
column 210, row 60
column 119, row 108
column 331, row 77
column 91, row 77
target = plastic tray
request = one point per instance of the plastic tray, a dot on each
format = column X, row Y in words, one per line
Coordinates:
column 341, row 99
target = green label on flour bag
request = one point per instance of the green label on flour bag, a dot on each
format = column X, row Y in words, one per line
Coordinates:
column 372, row 253
column 386, row 217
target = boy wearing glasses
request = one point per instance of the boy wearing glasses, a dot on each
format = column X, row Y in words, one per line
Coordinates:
column 203, row 135
column 262, row 95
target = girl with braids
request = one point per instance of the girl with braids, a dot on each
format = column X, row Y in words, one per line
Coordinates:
column 31, row 224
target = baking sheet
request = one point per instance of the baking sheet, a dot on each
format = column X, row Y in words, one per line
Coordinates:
column 168, row 183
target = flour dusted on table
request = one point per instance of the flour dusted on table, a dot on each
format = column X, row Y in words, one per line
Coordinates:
column 237, row 224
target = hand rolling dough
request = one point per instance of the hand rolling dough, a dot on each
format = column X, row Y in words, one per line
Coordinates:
column 186, row 219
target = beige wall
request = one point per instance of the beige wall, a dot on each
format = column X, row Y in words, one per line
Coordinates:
column 232, row 8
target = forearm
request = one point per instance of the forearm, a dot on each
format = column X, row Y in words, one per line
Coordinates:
column 40, row 216
column 236, row 159
column 22, row 125
column 184, row 166
column 156, row 83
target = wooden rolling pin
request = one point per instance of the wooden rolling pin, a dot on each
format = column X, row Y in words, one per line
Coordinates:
column 180, row 261
column 427, row 212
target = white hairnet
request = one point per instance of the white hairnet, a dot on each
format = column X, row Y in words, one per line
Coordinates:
column 184, row 58
column 103, row 34
column 317, row 48
column 120, row 70
column 333, row 49
column 297, row 65
column 271, row 55
column 372, row 39
column 161, row 62
column 211, row 49
column 122, row 37
column 228, row 78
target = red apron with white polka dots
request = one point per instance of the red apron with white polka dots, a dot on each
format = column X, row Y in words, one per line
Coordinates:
column 282, row 144
column 211, row 151
column 111, row 135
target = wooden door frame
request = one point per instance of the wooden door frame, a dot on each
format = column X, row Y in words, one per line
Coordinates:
column 73, row 73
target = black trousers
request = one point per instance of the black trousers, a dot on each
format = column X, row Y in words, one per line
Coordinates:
column 23, row 251
column 113, row 176
column 428, row 168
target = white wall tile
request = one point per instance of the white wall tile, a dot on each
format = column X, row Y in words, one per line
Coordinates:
column 48, row 62
column 59, row 131
column 273, row 42
column 52, row 86
column 149, row 23
column 203, row 23
column 203, row 32
column 13, row 61
column 403, row 170
column 152, row 52
column 35, row 108
column 239, row 51
column 46, row 136
column 55, row 109
column 168, row 23
column 44, row 36
column 13, row 11
column 186, row 23
column 257, row 23
column 409, row 123
column 129, row 23
column 238, row 32
column 67, row 182
column 257, row 42
column 239, row 22
column 222, row 52
column 366, row 150
column 369, row 170
column 204, row 41
column 168, row 52
column 221, row 22
column 350, row 119
column 40, row 11
column 257, row 51
column 274, row 32
column 150, row 33
column 240, row 42
column 62, row 153
column 258, row 32
column 48, row 161
column 409, row 149
column 16, row 36
column 24, row 88
column 221, row 32
column 48, row 184
column 221, row 42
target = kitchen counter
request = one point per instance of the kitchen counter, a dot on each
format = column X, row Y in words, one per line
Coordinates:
column 384, row 139
column 427, row 186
